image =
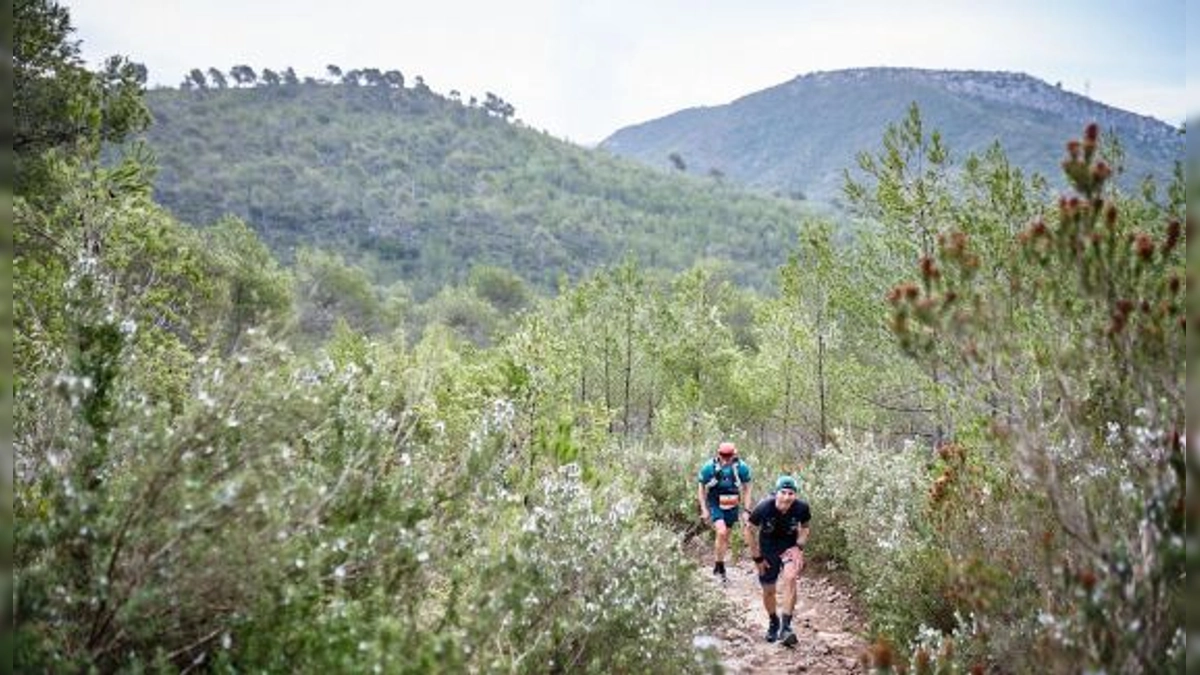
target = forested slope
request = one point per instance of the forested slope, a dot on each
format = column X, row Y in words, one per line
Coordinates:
column 420, row 187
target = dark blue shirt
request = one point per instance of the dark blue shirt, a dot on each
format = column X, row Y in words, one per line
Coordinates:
column 777, row 529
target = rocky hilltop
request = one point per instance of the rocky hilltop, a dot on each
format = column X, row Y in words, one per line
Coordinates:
column 797, row 138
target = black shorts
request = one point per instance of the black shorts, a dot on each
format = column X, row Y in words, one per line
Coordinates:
column 774, row 559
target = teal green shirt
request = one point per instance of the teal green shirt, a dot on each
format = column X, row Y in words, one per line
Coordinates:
column 726, row 483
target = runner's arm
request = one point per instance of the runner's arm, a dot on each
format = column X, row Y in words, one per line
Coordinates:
column 752, row 541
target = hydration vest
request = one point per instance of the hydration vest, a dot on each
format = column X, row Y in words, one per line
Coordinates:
column 717, row 469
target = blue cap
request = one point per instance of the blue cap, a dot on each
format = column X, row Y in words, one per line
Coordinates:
column 786, row 483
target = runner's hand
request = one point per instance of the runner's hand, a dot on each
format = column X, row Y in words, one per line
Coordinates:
column 762, row 567
column 794, row 554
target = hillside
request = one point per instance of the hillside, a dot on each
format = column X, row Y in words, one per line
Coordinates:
column 220, row 464
column 797, row 138
column 419, row 187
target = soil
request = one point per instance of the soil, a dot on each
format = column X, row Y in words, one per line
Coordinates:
column 828, row 622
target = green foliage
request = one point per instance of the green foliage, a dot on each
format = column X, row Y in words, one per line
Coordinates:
column 329, row 289
column 1077, row 366
column 1192, row 302
column 197, row 487
column 471, row 317
column 292, row 508
column 907, row 186
column 822, row 351
column 258, row 288
column 666, row 482
column 117, row 255
column 143, row 535
column 7, row 372
column 6, row 409
column 501, row 288
column 578, row 585
column 57, row 104
column 873, row 497
column 413, row 186
column 696, row 347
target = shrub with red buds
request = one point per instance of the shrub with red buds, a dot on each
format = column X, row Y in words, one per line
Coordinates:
column 929, row 269
column 1144, row 245
column 1174, row 230
column 1110, row 216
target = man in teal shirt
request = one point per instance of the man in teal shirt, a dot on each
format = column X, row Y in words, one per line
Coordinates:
column 724, row 490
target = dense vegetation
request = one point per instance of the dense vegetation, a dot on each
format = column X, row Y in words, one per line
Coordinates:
column 419, row 187
column 232, row 464
column 6, row 343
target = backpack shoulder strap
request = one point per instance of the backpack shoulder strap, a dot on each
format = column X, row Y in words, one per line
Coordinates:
column 733, row 468
column 716, row 474
column 717, row 468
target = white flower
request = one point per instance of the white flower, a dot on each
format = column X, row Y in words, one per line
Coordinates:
column 228, row 493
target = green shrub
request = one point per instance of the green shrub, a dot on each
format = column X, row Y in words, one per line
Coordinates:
column 582, row 583
column 871, row 496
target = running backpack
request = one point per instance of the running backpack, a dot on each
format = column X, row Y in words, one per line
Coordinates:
column 737, row 475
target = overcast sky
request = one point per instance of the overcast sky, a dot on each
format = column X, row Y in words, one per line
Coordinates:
column 582, row 70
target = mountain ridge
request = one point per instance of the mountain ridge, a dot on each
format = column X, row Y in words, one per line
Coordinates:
column 784, row 139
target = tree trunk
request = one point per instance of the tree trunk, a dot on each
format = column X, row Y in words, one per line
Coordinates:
column 628, row 369
column 821, row 385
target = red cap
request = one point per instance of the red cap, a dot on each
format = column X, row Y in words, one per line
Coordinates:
column 727, row 449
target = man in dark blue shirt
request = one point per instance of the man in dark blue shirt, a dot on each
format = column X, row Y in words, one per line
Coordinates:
column 777, row 533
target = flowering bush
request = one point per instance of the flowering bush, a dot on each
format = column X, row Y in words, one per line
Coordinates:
column 1065, row 347
column 666, row 481
column 580, row 582
column 868, row 503
column 318, row 511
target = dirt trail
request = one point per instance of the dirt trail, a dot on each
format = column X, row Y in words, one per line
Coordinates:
column 829, row 624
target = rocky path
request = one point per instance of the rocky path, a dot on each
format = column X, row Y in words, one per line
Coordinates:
column 828, row 623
